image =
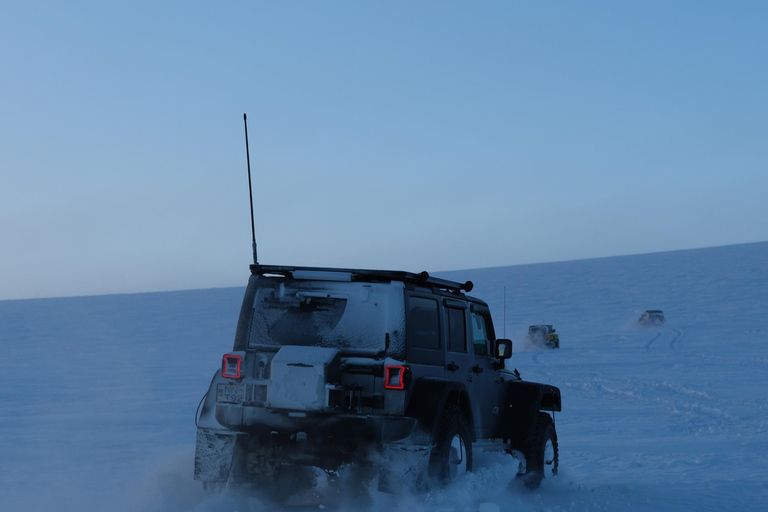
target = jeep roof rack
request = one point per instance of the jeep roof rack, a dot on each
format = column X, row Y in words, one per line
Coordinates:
column 357, row 274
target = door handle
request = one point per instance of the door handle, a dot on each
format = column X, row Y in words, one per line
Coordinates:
column 452, row 367
column 477, row 369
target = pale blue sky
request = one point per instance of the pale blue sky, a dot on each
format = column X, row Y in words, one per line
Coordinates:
column 409, row 135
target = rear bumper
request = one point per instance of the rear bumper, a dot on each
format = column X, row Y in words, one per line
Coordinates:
column 317, row 426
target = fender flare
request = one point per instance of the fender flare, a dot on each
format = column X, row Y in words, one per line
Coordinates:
column 426, row 409
column 521, row 404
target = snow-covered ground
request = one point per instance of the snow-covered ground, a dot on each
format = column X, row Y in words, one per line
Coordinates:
column 98, row 394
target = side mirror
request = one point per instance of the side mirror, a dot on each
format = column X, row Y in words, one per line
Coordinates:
column 503, row 349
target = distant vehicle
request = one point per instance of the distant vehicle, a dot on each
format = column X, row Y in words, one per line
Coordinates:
column 652, row 317
column 544, row 335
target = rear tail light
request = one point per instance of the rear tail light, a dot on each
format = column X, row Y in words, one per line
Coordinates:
column 397, row 377
column 230, row 366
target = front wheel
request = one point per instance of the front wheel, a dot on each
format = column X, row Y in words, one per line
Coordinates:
column 541, row 455
column 452, row 455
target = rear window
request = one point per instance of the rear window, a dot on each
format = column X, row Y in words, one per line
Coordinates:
column 423, row 323
column 343, row 315
column 457, row 330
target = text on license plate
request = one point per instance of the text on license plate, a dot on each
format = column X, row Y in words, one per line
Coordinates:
column 229, row 393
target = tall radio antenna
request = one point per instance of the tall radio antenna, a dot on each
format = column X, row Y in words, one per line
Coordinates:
column 505, row 312
column 250, row 189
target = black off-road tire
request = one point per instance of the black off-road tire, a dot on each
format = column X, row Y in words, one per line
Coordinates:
column 240, row 475
column 214, row 488
column 292, row 480
column 541, row 454
column 452, row 453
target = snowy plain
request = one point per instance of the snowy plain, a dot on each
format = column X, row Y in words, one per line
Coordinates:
column 98, row 394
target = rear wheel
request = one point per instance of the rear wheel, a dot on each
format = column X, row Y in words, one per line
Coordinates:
column 214, row 488
column 541, row 455
column 292, row 480
column 452, row 455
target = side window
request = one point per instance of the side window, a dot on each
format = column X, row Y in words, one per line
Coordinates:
column 480, row 334
column 457, row 330
column 423, row 327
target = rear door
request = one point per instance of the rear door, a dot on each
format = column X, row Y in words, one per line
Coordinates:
column 424, row 351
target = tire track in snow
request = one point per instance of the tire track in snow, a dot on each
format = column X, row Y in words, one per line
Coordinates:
column 674, row 339
column 650, row 342
column 695, row 410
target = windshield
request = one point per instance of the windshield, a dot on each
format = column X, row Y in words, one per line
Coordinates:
column 344, row 315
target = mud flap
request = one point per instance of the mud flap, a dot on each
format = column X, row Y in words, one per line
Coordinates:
column 213, row 454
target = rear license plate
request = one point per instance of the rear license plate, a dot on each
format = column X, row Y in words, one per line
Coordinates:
column 229, row 393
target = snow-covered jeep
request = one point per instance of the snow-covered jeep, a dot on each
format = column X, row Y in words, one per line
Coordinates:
column 332, row 367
